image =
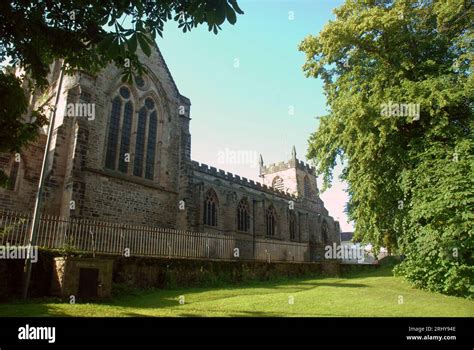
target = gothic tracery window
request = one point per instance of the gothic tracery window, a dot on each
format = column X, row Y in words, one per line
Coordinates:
column 113, row 136
column 270, row 219
column 243, row 216
column 140, row 142
column 151, row 146
column 125, row 137
column 145, row 145
column 120, row 138
column 210, row 208
column 292, row 222
column 139, row 81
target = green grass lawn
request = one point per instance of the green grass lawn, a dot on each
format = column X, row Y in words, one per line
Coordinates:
column 375, row 293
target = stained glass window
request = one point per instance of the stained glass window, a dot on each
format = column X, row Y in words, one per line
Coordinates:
column 151, row 146
column 243, row 216
column 139, row 81
column 120, row 138
column 124, row 157
column 149, row 104
column 125, row 92
column 140, row 142
column 270, row 221
column 292, row 225
column 112, row 139
column 210, row 209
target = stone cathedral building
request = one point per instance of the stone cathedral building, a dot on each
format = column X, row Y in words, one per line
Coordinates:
column 130, row 161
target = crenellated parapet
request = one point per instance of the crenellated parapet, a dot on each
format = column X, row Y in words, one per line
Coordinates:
column 236, row 179
column 281, row 166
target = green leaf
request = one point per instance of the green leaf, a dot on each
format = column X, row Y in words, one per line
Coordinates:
column 104, row 20
column 132, row 43
column 144, row 45
column 114, row 48
column 106, row 43
column 236, row 7
column 220, row 13
column 231, row 17
column 390, row 157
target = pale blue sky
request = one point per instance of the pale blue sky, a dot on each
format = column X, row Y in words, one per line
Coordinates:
column 245, row 83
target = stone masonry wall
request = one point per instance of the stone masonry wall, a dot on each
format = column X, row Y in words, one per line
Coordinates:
column 21, row 197
column 77, row 172
column 230, row 189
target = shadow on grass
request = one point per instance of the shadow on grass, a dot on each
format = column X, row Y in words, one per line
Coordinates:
column 245, row 314
column 338, row 285
column 382, row 271
column 235, row 313
column 32, row 308
column 169, row 298
column 134, row 314
column 161, row 298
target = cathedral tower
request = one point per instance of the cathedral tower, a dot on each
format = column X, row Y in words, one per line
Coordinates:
column 293, row 176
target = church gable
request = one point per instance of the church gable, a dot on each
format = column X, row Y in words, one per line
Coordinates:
column 137, row 128
column 132, row 144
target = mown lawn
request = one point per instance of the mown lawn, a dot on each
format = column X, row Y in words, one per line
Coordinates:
column 376, row 293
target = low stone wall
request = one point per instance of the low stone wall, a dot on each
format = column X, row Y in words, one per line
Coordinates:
column 165, row 273
column 136, row 272
column 69, row 271
column 11, row 276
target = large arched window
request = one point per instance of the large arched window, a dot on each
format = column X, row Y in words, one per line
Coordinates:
column 144, row 162
column 210, row 208
column 124, row 155
column 120, row 138
column 292, row 223
column 151, row 146
column 270, row 220
column 118, row 143
column 277, row 183
column 243, row 216
column 140, row 143
column 112, row 139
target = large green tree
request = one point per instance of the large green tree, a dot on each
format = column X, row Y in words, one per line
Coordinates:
column 410, row 175
column 87, row 35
